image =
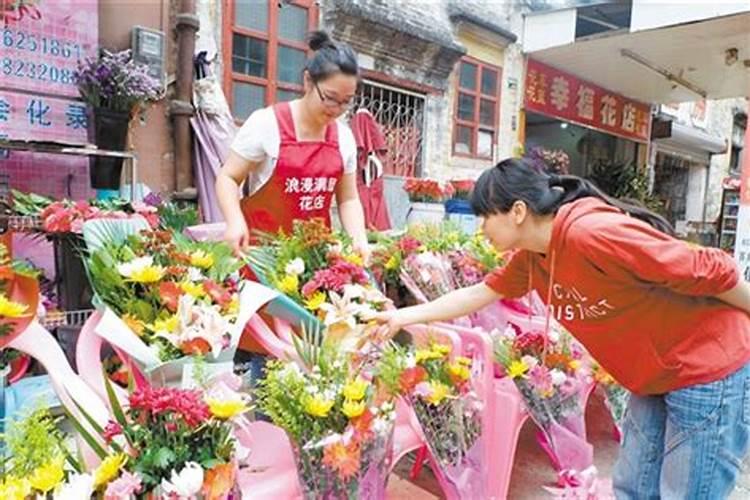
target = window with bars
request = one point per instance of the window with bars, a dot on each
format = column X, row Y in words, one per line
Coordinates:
column 477, row 108
column 400, row 114
column 265, row 51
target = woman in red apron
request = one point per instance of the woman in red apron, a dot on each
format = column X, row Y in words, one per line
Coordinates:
column 295, row 157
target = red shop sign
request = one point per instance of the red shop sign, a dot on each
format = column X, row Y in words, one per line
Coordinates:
column 555, row 93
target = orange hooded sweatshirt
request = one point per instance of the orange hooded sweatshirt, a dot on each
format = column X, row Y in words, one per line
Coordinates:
column 640, row 301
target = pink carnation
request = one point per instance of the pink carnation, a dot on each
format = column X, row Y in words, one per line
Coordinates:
column 123, row 487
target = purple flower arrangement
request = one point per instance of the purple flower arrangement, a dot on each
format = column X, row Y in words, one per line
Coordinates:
column 116, row 82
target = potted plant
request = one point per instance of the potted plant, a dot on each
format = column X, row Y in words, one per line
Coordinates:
column 427, row 197
column 114, row 86
column 552, row 161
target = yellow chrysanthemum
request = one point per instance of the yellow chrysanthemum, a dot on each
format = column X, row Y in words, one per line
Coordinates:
column 392, row 263
column 109, row 469
column 317, row 406
column 166, row 325
column 426, row 355
column 10, row 309
column 314, row 302
column 201, row 259
column 15, row 488
column 147, row 274
column 288, row 284
column 354, row 258
column 517, row 368
column 438, row 392
column 442, row 349
column 48, row 476
column 355, row 389
column 574, row 364
column 194, row 289
column 234, row 305
column 459, row 371
column 134, row 324
column 226, row 409
column 353, row 409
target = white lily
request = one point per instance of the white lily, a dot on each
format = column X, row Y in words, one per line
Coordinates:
column 295, row 267
column 128, row 268
column 340, row 311
column 186, row 483
column 558, row 377
column 76, row 487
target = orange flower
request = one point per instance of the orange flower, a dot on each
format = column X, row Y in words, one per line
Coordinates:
column 342, row 459
column 218, row 481
column 362, row 426
column 557, row 360
column 197, row 347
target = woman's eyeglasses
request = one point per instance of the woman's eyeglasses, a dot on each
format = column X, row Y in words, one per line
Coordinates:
column 331, row 102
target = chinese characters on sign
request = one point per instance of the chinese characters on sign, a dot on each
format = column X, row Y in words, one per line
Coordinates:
column 314, row 189
column 41, row 42
column 42, row 118
column 556, row 93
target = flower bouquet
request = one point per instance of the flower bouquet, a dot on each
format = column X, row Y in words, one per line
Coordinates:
column 19, row 297
column 338, row 417
column 115, row 86
column 387, row 257
column 616, row 397
column 38, row 464
column 168, row 299
column 322, row 279
column 170, row 443
column 449, row 411
column 551, row 375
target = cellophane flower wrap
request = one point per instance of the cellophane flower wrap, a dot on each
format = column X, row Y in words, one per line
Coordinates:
column 439, row 387
column 176, row 298
column 552, row 374
column 339, row 418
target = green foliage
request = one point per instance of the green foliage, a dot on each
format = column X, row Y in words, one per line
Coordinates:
column 32, row 441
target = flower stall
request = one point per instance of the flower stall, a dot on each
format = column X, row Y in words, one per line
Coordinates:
column 344, row 403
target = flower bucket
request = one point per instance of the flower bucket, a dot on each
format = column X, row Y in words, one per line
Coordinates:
column 425, row 213
column 460, row 213
column 110, row 132
column 4, row 372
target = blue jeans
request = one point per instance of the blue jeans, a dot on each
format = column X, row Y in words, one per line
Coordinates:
column 687, row 444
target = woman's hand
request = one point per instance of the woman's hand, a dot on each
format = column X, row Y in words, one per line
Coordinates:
column 391, row 322
column 363, row 249
column 237, row 236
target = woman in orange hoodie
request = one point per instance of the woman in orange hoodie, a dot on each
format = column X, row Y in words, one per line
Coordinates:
column 669, row 320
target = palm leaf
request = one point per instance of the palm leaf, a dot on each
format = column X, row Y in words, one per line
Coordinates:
column 99, row 232
column 310, row 344
column 263, row 262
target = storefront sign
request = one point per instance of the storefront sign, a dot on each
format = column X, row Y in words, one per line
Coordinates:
column 40, row 45
column 561, row 95
column 41, row 118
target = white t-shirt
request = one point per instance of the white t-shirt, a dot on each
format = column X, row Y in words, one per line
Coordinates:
column 258, row 140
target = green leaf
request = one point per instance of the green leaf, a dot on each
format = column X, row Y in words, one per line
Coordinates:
column 90, row 440
column 163, row 458
column 114, row 403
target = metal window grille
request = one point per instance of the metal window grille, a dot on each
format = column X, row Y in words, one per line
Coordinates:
column 400, row 113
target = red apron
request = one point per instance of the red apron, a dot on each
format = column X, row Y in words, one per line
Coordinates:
column 301, row 187
column 303, row 181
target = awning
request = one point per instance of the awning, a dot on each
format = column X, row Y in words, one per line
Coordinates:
column 711, row 55
column 691, row 142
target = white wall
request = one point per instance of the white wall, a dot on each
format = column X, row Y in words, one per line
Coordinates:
column 649, row 14
column 549, row 29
